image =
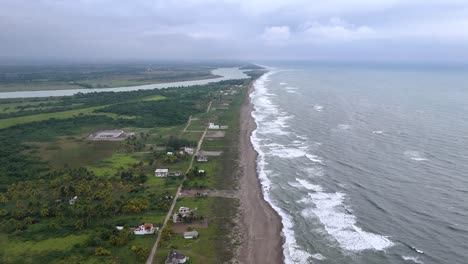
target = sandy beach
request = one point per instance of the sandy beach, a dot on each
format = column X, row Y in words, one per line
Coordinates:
column 262, row 241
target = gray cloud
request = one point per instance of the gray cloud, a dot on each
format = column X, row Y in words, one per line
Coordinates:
column 229, row 29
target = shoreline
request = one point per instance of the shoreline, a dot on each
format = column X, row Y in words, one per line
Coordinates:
column 262, row 241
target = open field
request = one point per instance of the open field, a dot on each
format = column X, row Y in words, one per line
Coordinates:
column 4, row 123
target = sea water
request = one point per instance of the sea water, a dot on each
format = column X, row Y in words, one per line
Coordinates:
column 366, row 163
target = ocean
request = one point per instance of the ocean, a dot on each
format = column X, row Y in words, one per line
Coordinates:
column 366, row 163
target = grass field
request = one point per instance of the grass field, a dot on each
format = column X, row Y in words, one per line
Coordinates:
column 74, row 151
column 154, row 98
column 8, row 122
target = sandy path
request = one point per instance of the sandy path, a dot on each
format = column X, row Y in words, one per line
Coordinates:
column 262, row 242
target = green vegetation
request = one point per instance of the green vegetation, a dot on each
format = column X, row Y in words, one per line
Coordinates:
column 32, row 78
column 46, row 159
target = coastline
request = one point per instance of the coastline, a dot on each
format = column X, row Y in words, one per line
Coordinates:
column 262, row 227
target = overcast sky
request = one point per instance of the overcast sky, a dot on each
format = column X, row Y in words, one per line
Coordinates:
column 234, row 29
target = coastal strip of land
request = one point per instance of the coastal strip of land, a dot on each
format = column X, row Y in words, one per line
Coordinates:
column 262, row 241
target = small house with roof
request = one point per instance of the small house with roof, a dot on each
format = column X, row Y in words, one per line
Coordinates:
column 201, row 157
column 161, row 173
column 176, row 257
column 190, row 235
column 189, row 151
column 145, row 229
column 213, row 126
column 183, row 212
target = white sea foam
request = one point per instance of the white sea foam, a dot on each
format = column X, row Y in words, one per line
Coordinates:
column 295, row 185
column 340, row 224
column 314, row 171
column 344, row 126
column 293, row 92
column 412, row 259
column 288, row 152
column 314, row 158
column 415, row 155
column 283, row 83
column 273, row 119
column 318, row 256
column 309, row 186
column 378, row 132
column 302, row 137
column 292, row 251
column 417, row 250
column 290, row 88
column 318, row 108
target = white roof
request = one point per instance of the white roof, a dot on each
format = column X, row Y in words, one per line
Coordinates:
column 162, row 170
column 191, row 233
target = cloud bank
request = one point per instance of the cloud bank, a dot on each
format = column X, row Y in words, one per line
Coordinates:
column 229, row 29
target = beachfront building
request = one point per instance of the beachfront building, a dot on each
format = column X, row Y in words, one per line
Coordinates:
column 190, row 235
column 176, row 257
column 161, row 173
column 213, row 126
column 183, row 212
column 145, row 229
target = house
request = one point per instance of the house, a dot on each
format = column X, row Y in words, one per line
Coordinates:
column 175, row 174
column 176, row 257
column 189, row 151
column 119, row 228
column 183, row 212
column 201, row 171
column 145, row 229
column 202, row 158
column 160, row 173
column 72, row 200
column 169, row 153
column 213, row 126
column 190, row 235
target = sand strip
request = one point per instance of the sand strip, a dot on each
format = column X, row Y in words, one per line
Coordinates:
column 262, row 241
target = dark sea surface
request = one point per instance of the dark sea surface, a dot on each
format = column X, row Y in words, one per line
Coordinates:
column 366, row 163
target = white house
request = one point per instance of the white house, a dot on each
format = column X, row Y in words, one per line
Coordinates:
column 201, row 171
column 169, row 153
column 119, row 228
column 202, row 158
column 176, row 257
column 161, row 173
column 213, row 126
column 190, row 235
column 145, row 229
column 183, row 212
column 175, row 174
column 189, row 151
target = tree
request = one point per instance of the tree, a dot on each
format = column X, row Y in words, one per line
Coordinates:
column 143, row 253
column 44, row 212
column 166, row 233
column 79, row 225
column 28, row 220
column 100, row 251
